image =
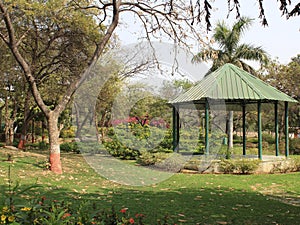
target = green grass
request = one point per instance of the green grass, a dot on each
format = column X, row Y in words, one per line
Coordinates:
column 186, row 198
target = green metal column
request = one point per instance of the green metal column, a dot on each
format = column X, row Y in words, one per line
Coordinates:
column 206, row 128
column 244, row 129
column 286, row 114
column 175, row 129
column 259, row 130
column 276, row 129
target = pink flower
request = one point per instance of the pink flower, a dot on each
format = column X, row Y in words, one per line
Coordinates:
column 131, row 221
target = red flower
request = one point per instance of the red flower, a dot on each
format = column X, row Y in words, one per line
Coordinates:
column 139, row 215
column 66, row 215
column 123, row 210
column 131, row 221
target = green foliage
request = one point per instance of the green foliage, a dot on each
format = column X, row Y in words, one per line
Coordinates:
column 42, row 211
column 286, row 166
column 161, row 160
column 167, row 143
column 239, row 166
column 69, row 147
column 68, row 132
column 270, row 139
column 294, row 145
column 149, row 158
column 119, row 150
column 42, row 145
column 296, row 163
column 231, row 50
column 91, row 147
column 227, row 166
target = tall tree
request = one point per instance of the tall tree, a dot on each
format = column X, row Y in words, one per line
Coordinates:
column 232, row 51
column 52, row 42
column 286, row 78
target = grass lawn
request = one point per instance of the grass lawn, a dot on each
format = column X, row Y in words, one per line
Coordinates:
column 186, row 198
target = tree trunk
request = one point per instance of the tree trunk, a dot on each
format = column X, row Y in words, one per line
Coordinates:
column 22, row 141
column 9, row 122
column 32, row 131
column 102, row 126
column 230, row 129
column 43, row 130
column 53, row 129
column 11, row 133
column 99, row 138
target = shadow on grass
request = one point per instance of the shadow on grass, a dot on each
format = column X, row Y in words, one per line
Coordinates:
column 184, row 206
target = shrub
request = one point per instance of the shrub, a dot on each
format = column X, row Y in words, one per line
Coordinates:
column 225, row 152
column 68, row 132
column 173, row 163
column 163, row 161
column 43, row 145
column 44, row 211
column 148, row 158
column 69, row 147
column 239, row 166
column 294, row 145
column 246, row 166
column 268, row 138
column 118, row 149
column 227, row 166
column 289, row 165
column 296, row 162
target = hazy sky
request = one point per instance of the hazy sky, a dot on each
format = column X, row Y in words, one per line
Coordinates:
column 281, row 39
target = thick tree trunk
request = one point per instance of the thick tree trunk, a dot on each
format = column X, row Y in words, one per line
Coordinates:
column 230, row 129
column 54, row 143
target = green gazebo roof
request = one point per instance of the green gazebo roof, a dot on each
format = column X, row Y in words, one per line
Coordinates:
column 233, row 85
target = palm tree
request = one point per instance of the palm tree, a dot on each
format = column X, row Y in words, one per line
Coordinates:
column 231, row 51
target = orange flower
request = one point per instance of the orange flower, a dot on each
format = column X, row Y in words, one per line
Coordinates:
column 66, row 215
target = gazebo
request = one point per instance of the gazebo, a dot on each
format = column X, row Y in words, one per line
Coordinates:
column 238, row 90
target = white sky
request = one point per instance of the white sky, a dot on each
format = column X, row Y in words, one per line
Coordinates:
column 281, row 39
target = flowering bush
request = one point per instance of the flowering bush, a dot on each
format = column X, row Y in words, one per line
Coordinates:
column 58, row 212
column 46, row 212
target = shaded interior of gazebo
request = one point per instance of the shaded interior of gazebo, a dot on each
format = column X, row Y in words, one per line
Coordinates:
column 233, row 89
